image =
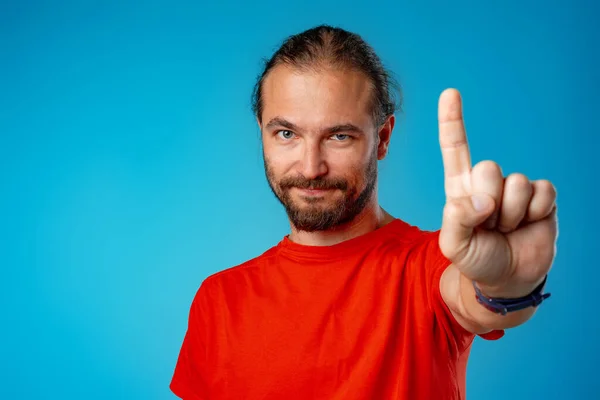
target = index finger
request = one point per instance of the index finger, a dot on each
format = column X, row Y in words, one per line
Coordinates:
column 453, row 143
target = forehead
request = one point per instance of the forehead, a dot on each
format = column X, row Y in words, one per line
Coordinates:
column 313, row 98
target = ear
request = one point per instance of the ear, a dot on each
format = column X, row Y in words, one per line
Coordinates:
column 384, row 136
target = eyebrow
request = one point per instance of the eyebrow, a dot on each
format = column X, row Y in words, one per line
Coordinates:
column 278, row 121
column 282, row 122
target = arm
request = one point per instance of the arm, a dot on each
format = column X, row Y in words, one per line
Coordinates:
column 499, row 232
column 459, row 295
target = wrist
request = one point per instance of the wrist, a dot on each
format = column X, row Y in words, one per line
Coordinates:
column 502, row 304
column 511, row 289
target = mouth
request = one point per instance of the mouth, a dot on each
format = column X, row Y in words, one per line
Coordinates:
column 313, row 192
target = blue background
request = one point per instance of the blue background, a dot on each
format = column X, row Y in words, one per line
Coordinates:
column 130, row 170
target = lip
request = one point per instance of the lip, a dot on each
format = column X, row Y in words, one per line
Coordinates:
column 313, row 192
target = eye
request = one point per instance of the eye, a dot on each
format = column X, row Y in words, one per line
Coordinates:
column 340, row 137
column 286, row 134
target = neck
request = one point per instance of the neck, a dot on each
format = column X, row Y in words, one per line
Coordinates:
column 371, row 218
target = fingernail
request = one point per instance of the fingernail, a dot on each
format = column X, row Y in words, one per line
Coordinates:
column 480, row 202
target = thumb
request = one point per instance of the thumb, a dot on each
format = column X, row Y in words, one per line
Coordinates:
column 461, row 216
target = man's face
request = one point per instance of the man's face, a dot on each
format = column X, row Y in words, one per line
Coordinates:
column 320, row 145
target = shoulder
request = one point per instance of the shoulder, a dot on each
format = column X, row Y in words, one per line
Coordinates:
column 412, row 237
column 419, row 249
column 238, row 273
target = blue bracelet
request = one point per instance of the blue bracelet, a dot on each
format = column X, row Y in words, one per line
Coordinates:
column 504, row 306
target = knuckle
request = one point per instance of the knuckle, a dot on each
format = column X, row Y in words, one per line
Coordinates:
column 454, row 210
column 490, row 165
column 487, row 168
column 546, row 187
column 517, row 180
column 518, row 183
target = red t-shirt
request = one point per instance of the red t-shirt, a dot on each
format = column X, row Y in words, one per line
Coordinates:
column 362, row 319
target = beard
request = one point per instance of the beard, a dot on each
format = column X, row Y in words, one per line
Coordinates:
column 316, row 217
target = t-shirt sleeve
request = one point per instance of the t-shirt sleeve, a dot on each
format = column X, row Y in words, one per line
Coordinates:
column 188, row 382
column 435, row 264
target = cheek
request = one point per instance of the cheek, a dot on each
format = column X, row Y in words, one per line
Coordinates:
column 352, row 169
column 280, row 158
column 279, row 167
column 276, row 167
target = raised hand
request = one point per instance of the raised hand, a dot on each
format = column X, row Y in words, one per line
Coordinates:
column 498, row 231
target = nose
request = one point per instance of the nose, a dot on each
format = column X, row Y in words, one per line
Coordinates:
column 313, row 162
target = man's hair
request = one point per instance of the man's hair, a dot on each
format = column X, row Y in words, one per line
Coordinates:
column 326, row 46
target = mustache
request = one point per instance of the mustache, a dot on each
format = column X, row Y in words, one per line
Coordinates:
column 319, row 183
